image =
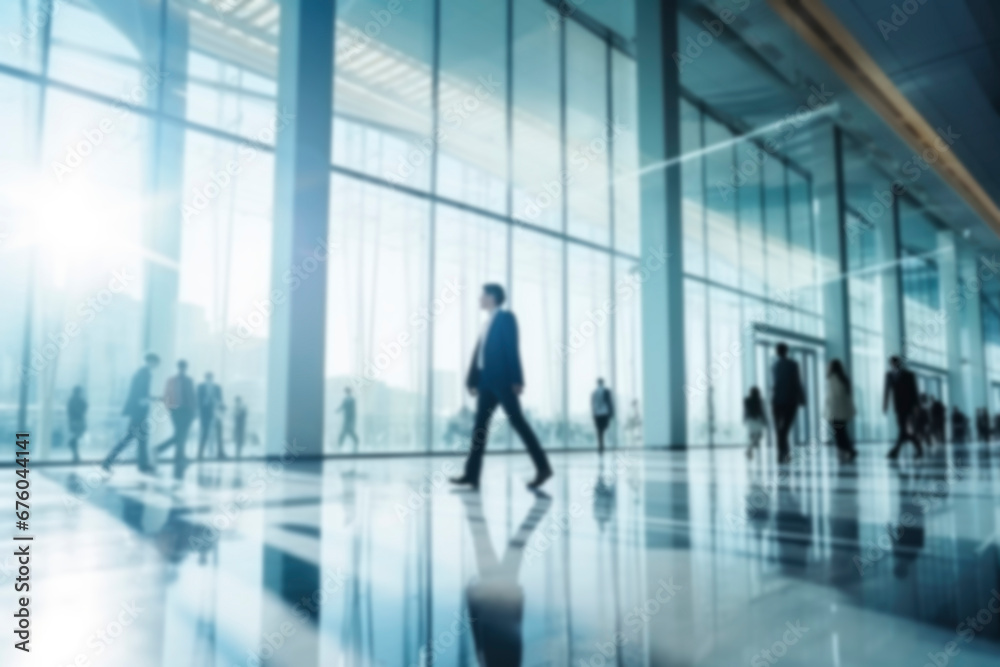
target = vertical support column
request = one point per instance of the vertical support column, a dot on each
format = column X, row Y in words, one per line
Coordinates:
column 663, row 353
column 828, row 189
column 948, row 262
column 301, row 211
column 165, row 184
column 887, row 228
column 974, row 351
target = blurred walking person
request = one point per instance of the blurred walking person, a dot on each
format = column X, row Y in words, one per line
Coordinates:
column 349, row 408
column 210, row 406
column 787, row 394
column 603, row 408
column 840, row 410
column 901, row 384
column 76, row 414
column 179, row 397
column 754, row 418
column 137, row 410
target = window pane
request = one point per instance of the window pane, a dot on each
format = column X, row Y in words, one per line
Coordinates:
column 470, row 251
column 377, row 317
column 749, row 195
column 723, row 242
column 224, row 292
column 587, row 134
column 627, row 387
column 776, row 226
column 693, row 185
column 229, row 83
column 472, row 166
column 537, row 302
column 626, row 153
column 382, row 91
column 539, row 185
column 588, row 337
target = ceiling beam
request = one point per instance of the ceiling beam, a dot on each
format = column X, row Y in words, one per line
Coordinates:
column 820, row 28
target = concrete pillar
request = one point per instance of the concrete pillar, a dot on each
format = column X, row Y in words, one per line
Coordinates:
column 664, row 373
column 892, row 282
column 948, row 266
column 973, row 348
column 165, row 183
column 828, row 192
column 296, row 365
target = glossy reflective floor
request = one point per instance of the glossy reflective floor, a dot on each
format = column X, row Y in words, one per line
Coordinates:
column 653, row 558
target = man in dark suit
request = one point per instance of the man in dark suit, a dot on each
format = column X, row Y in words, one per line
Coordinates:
column 902, row 385
column 495, row 377
column 209, row 405
column 179, row 397
column 137, row 410
column 787, row 394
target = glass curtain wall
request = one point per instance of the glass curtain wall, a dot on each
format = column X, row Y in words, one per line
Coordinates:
column 750, row 261
column 484, row 143
column 144, row 147
column 923, row 302
column 870, row 254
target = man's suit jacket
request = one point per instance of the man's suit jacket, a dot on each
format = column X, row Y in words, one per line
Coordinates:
column 903, row 386
column 137, row 403
column 501, row 357
column 179, row 396
column 786, row 384
column 209, row 397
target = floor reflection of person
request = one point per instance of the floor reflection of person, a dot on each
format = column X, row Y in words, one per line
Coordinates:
column 755, row 419
column 633, row 426
column 239, row 425
column 908, row 536
column 76, row 415
column 495, row 598
column 137, row 410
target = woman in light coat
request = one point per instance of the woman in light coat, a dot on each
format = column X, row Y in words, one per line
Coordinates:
column 840, row 409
